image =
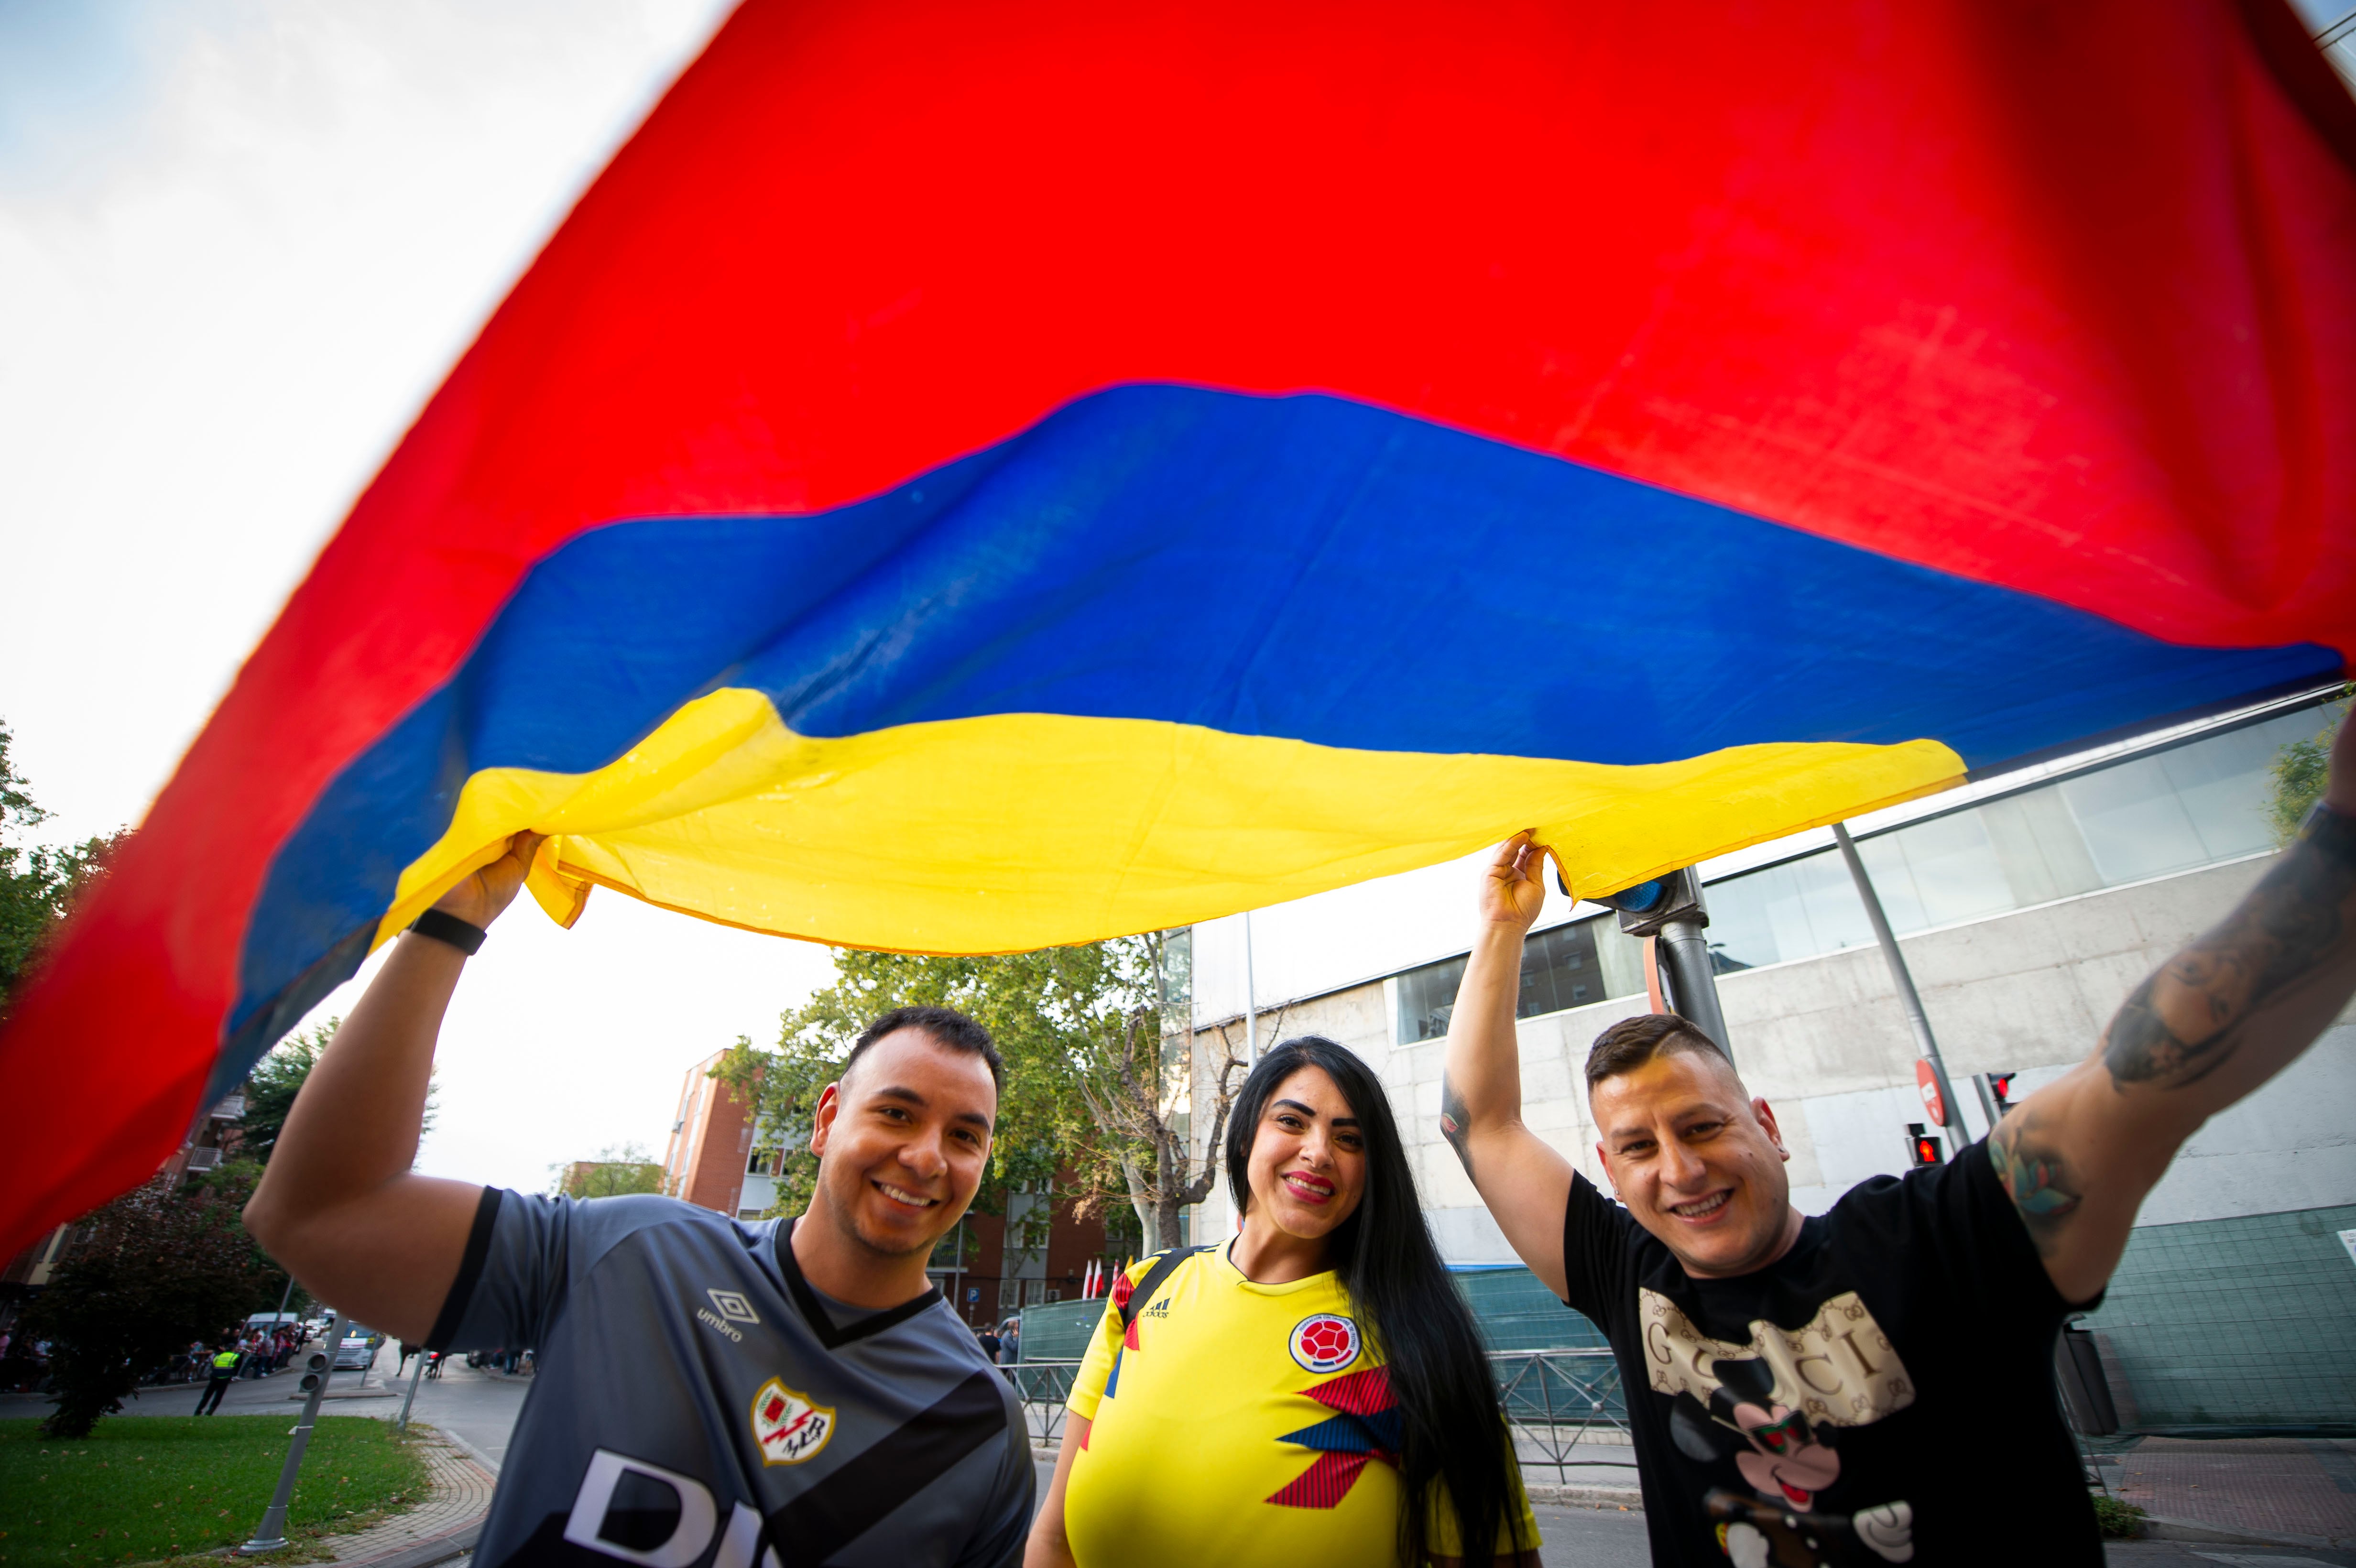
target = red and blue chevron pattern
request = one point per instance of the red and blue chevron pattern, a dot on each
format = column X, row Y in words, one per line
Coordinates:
column 1366, row 1428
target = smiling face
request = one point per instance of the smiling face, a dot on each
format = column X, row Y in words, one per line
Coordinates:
column 902, row 1141
column 1698, row 1165
column 1308, row 1168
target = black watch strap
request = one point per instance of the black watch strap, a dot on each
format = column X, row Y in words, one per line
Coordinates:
column 442, row 926
column 2330, row 832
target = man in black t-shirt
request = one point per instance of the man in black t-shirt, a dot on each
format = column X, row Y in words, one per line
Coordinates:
column 1875, row 1384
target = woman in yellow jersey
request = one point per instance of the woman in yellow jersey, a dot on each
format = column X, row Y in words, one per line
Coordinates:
column 1314, row 1391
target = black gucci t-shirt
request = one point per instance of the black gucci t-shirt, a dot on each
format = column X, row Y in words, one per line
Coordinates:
column 1882, row 1393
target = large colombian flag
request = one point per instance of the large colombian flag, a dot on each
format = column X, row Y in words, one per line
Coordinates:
column 973, row 475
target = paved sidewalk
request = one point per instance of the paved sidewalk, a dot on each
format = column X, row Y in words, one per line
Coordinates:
column 2300, row 1490
column 446, row 1518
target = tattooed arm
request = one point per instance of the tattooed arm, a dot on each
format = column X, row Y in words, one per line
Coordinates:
column 1525, row 1181
column 2215, row 1021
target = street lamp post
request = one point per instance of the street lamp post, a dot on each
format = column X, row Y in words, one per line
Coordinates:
column 1251, row 1003
column 1926, row 1045
column 272, row 1534
column 411, row 1397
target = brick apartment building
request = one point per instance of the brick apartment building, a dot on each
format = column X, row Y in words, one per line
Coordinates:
column 212, row 1139
column 711, row 1145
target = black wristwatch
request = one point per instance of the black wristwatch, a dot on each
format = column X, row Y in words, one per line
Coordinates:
column 2330, row 831
column 442, row 926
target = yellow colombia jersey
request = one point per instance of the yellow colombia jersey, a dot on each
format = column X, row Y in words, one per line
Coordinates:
column 1240, row 1424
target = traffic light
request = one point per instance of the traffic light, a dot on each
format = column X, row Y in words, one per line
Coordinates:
column 1923, row 1145
column 317, row 1363
column 2000, row 1090
column 1650, row 905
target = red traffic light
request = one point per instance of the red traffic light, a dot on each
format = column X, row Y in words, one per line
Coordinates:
column 2000, row 1086
column 1923, row 1147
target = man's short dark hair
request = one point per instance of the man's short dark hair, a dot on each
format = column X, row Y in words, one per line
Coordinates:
column 1632, row 1042
column 947, row 1028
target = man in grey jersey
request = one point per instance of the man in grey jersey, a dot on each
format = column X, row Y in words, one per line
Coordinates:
column 711, row 1394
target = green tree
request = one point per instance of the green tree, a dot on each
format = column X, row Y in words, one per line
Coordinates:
column 157, row 1268
column 1100, row 1071
column 2301, row 770
column 617, row 1170
column 37, row 883
column 277, row 1078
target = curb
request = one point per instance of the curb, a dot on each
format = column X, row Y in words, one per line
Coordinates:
column 487, row 1464
column 2158, row 1527
column 1629, row 1499
column 424, row 1553
column 454, row 1542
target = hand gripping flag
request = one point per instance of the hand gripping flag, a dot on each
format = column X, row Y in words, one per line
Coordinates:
column 981, row 473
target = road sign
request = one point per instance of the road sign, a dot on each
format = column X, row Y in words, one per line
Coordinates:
column 1927, row 1083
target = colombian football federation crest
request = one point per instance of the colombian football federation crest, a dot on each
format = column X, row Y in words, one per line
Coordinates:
column 788, row 1426
column 1324, row 1343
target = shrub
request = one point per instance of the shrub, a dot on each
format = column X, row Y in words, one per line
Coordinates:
column 149, row 1272
column 2120, row 1522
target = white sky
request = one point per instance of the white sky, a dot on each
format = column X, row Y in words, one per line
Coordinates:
column 241, row 241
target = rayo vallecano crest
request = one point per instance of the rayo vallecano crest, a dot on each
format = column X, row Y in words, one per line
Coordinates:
column 788, row 1426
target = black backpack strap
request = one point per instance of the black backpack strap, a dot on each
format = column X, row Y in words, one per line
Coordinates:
column 1164, row 1266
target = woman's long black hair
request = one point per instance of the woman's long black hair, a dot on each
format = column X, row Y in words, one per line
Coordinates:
column 1407, row 1307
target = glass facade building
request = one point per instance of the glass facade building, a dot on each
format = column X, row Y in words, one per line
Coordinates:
column 2199, row 803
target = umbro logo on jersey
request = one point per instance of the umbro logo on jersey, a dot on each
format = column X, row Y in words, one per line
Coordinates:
column 788, row 1427
column 733, row 1308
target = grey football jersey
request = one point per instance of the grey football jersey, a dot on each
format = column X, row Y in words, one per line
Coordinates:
column 696, row 1407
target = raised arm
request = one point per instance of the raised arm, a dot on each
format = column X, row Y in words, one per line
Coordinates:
column 1525, row 1180
column 2211, row 1024
column 338, row 1205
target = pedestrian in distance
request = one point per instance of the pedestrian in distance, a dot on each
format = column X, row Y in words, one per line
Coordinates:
column 1010, row 1343
column 710, row 1392
column 987, row 1337
column 1313, row 1391
column 1875, row 1384
column 222, row 1373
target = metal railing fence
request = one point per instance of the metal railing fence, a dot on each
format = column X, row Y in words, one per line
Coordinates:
column 1564, row 1407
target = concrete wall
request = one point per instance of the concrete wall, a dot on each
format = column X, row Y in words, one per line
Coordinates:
column 2238, row 1255
column 1823, row 1040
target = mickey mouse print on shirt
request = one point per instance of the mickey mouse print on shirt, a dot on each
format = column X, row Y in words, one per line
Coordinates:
column 1772, row 1411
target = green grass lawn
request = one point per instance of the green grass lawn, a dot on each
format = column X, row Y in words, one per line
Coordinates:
column 148, row 1487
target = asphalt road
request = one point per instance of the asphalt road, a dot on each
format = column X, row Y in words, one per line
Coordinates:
column 477, row 1408
column 480, row 1410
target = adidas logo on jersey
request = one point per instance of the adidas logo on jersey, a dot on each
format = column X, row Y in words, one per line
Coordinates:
column 1159, row 1309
